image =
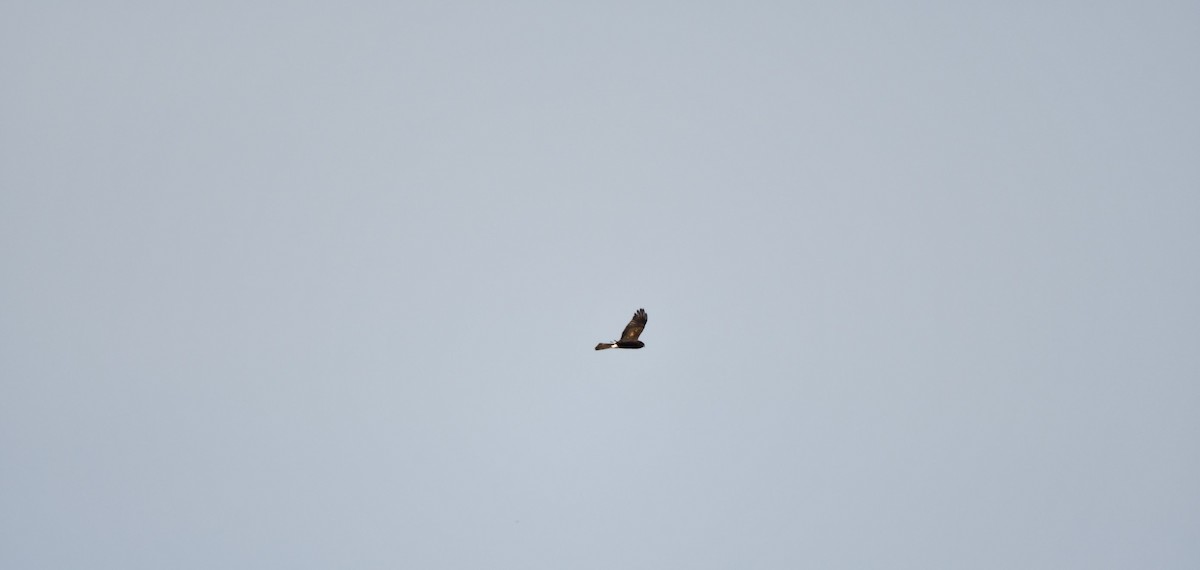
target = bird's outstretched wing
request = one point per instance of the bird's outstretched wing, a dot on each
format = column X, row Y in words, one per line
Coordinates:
column 634, row 329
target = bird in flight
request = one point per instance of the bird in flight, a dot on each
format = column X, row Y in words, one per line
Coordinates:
column 629, row 337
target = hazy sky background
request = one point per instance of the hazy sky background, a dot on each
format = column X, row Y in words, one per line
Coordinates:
column 316, row 285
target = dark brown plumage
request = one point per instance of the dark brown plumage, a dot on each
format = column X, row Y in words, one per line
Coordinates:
column 629, row 337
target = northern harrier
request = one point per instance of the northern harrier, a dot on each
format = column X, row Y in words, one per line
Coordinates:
column 629, row 337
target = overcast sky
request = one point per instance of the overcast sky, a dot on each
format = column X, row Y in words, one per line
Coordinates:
column 317, row 285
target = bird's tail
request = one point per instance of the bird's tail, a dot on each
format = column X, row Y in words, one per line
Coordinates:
column 605, row 345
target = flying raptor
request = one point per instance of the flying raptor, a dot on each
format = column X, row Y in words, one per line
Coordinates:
column 629, row 337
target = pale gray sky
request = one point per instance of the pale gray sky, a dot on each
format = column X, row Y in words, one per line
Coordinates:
column 316, row 285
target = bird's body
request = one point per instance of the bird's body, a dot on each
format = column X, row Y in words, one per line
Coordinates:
column 629, row 337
